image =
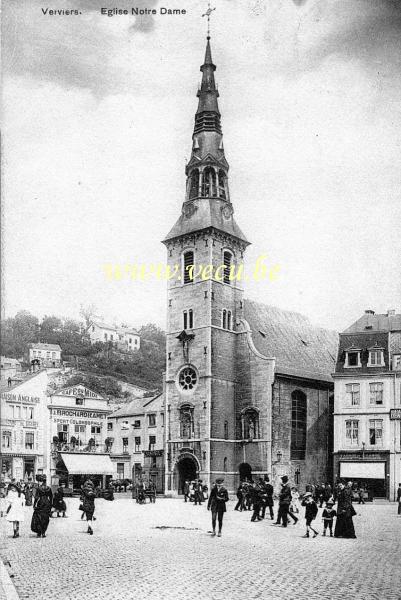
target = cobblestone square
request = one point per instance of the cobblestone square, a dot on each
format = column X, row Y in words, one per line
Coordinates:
column 165, row 551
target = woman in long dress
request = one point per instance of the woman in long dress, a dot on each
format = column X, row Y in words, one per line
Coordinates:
column 88, row 503
column 28, row 491
column 41, row 512
column 345, row 511
column 15, row 510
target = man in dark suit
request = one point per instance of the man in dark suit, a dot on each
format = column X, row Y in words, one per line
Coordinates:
column 268, row 497
column 186, row 490
column 217, row 504
column 284, row 502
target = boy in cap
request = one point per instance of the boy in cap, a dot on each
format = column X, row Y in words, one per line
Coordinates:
column 311, row 511
column 217, row 504
column 328, row 517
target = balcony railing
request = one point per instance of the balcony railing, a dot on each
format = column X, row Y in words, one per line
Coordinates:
column 83, row 449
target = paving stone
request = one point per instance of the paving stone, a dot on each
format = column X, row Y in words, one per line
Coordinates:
column 164, row 551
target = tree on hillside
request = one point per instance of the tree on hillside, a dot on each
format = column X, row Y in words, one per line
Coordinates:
column 51, row 330
column 105, row 386
column 87, row 313
column 18, row 332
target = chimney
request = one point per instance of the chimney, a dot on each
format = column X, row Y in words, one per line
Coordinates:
column 390, row 312
column 369, row 312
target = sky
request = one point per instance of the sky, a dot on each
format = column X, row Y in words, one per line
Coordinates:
column 98, row 117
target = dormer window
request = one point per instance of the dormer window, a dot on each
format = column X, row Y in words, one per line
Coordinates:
column 376, row 358
column 352, row 358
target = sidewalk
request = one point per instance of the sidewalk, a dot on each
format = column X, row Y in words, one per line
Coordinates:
column 7, row 589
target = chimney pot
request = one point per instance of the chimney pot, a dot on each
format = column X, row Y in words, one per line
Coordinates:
column 390, row 312
column 369, row 312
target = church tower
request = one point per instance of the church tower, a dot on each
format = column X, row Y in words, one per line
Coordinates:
column 205, row 250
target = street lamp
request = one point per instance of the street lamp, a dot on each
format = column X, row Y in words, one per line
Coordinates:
column 297, row 474
column 279, row 455
column 363, row 450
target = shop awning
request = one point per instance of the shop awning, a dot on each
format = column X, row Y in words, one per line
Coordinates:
column 363, row 470
column 88, row 464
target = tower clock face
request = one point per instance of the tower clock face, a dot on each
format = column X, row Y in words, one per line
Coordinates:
column 187, row 379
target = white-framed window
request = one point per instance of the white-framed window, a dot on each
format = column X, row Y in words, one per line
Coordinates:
column 120, row 470
column 30, row 413
column 95, row 430
column 397, row 362
column 125, row 445
column 105, row 336
column 137, row 424
column 152, row 420
column 353, row 394
column 53, row 355
column 137, row 444
column 152, row 442
column 6, row 439
column 376, row 432
column 352, row 432
column 376, row 357
column 376, row 393
column 352, row 359
column 109, row 426
column 48, row 354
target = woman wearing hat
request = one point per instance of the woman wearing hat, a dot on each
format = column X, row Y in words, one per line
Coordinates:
column 42, row 509
column 345, row 511
column 217, row 504
column 15, row 510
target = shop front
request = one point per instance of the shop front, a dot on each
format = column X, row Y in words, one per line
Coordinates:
column 74, row 469
column 367, row 473
column 153, row 468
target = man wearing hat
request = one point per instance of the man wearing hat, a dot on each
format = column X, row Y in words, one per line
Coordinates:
column 311, row 511
column 328, row 517
column 284, row 502
column 217, row 504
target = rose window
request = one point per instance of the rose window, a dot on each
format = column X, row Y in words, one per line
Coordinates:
column 187, row 379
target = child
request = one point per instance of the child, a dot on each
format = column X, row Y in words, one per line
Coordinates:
column 15, row 510
column 3, row 501
column 311, row 511
column 328, row 517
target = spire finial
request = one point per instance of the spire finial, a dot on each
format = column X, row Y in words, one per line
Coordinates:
column 207, row 14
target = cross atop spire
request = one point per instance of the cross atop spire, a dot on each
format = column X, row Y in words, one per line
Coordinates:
column 207, row 14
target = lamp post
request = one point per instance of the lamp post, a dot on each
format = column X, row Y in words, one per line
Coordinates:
column 279, row 456
column 363, row 450
column 297, row 475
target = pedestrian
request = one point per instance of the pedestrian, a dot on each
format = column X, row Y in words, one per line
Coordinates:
column 361, row 494
column 29, row 491
column 322, row 491
column 345, row 511
column 256, row 496
column 399, row 498
column 198, row 495
column 295, row 506
column 284, row 503
column 328, row 517
column 88, row 503
column 311, row 511
column 58, row 503
column 268, row 488
column 186, row 490
column 240, row 496
column 9, row 382
column 3, row 501
column 15, row 510
column 217, row 504
column 42, row 509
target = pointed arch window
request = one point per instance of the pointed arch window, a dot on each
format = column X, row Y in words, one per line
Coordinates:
column 188, row 262
column 224, row 319
column 209, row 183
column 194, row 184
column 225, row 464
column 227, row 261
column 298, row 425
column 222, row 187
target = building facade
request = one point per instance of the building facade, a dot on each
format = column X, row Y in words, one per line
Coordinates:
column 124, row 338
column 77, row 432
column 367, row 408
column 23, row 428
column 43, row 355
column 10, row 368
column 237, row 404
column 136, row 434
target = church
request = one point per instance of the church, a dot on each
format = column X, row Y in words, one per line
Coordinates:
column 248, row 388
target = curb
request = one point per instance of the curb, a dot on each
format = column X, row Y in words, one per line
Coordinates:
column 6, row 584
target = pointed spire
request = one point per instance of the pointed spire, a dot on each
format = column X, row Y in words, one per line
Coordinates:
column 207, row 116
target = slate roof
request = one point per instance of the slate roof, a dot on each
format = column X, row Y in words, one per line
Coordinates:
column 301, row 349
column 363, row 342
column 117, row 329
column 137, row 406
column 375, row 322
column 206, row 213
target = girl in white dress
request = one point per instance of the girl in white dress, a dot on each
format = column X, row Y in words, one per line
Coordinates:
column 3, row 501
column 15, row 510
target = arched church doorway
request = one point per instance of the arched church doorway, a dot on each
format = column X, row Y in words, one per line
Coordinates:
column 245, row 472
column 187, row 468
